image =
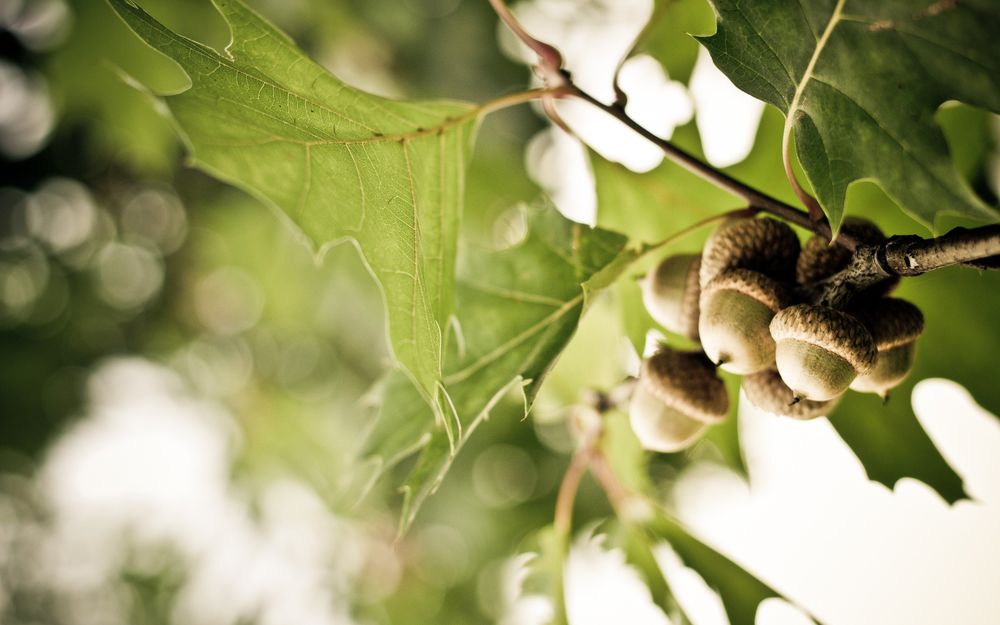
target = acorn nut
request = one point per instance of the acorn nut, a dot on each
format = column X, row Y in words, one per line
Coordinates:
column 764, row 245
column 678, row 395
column 820, row 350
column 767, row 391
column 736, row 311
column 670, row 292
column 821, row 259
column 895, row 325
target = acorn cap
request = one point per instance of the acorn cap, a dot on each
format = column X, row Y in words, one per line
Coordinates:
column 672, row 299
column 767, row 291
column 765, row 245
column 828, row 328
column 768, row 392
column 892, row 322
column 687, row 382
column 820, row 259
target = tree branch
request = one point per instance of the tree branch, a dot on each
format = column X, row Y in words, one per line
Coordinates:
column 755, row 198
column 910, row 256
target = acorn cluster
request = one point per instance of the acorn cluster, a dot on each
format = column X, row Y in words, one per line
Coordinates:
column 743, row 299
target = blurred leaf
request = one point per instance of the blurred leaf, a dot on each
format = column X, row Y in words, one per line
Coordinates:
column 264, row 117
column 119, row 120
column 546, row 571
column 667, row 39
column 740, row 591
column 838, row 71
column 959, row 343
column 517, row 309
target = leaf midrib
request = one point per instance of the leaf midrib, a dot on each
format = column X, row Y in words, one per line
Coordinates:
column 811, row 66
column 376, row 137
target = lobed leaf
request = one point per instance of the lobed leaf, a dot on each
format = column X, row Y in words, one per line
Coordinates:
column 517, row 309
column 339, row 163
column 859, row 82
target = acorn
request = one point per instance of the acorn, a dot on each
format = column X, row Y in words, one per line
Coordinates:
column 670, row 292
column 820, row 259
column 736, row 311
column 895, row 325
column 820, row 350
column 767, row 391
column 765, row 245
column 677, row 397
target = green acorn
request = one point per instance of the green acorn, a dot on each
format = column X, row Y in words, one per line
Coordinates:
column 767, row 391
column 820, row 350
column 736, row 311
column 895, row 325
column 677, row 396
column 765, row 245
column 670, row 293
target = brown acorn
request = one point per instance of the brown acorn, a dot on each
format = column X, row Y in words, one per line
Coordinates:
column 670, row 292
column 677, row 396
column 736, row 311
column 768, row 392
column 820, row 350
column 820, row 259
column 765, row 245
column 895, row 325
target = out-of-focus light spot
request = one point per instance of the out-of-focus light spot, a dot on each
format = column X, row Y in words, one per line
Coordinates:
column 504, row 476
column 53, row 300
column 559, row 164
column 442, row 555
column 298, row 357
column 156, row 216
column 362, row 62
column 654, row 101
column 228, row 301
column 26, row 117
column 141, row 485
column 24, row 274
column 218, row 367
column 511, row 228
column 592, row 37
column 128, row 275
column 382, row 572
column 61, row 214
column 727, row 118
column 39, row 24
column 600, row 587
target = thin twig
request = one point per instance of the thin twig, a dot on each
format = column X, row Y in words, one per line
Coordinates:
column 519, row 97
column 563, row 521
column 757, row 199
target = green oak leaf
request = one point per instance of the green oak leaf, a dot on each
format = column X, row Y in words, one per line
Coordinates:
column 339, row 163
column 517, row 309
column 859, row 82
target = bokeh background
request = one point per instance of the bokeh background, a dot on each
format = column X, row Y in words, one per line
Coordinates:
column 185, row 390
